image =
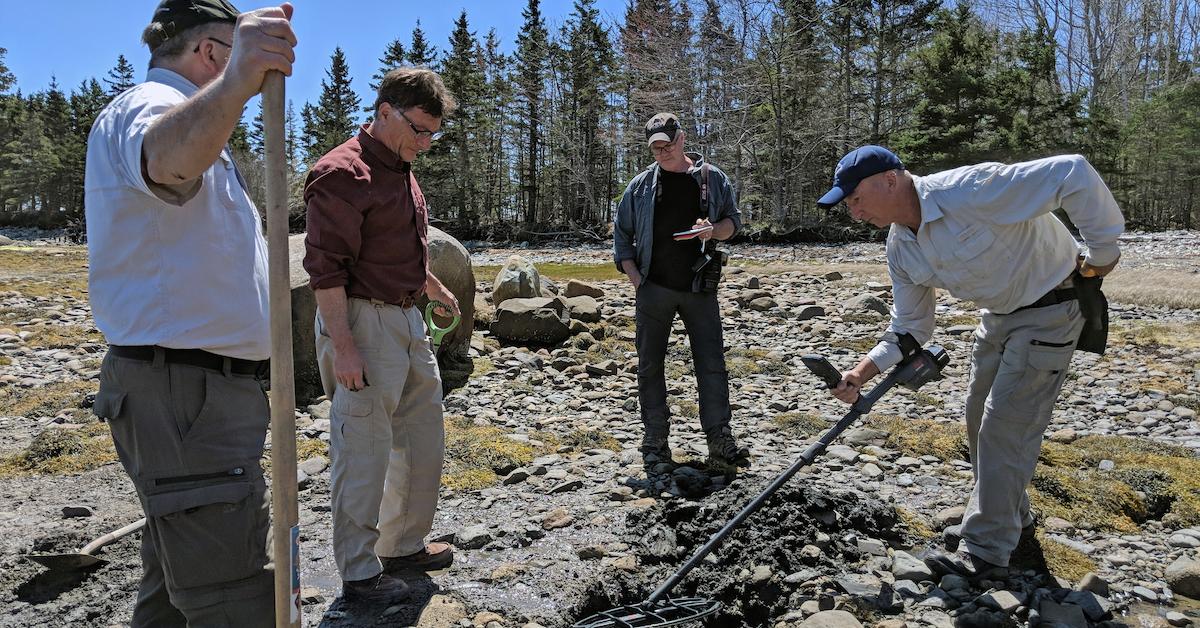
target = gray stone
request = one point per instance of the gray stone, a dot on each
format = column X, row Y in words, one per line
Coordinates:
column 1006, row 601
column 831, row 619
column 809, row 312
column 905, row 566
column 949, row 517
column 954, row 582
column 473, row 537
column 72, row 512
column 314, row 465
column 1095, row 607
column 1183, row 576
column 1145, row 593
column 576, row 288
column 1062, row 615
column 1093, row 583
column 518, row 279
column 539, row 320
column 868, row 303
column 1175, row 618
column 584, row 308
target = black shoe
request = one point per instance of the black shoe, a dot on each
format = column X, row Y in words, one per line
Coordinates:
column 656, row 455
column 382, row 589
column 723, row 448
column 964, row 564
column 953, row 534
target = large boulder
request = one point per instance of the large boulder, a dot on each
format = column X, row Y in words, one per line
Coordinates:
column 584, row 308
column 450, row 263
column 538, row 320
column 517, row 280
column 1184, row 576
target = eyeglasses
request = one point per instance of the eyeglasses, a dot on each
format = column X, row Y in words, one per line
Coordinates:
column 665, row 148
column 418, row 131
column 197, row 48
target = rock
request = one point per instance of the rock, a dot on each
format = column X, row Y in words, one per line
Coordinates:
column 518, row 279
column 557, row 518
column 314, row 465
column 1094, row 584
column 905, row 566
column 1183, row 576
column 576, row 288
column 833, row 276
column 1066, row 435
column 810, row 312
column 868, row 303
column 1095, row 607
column 949, row 517
column 538, row 320
column 1005, row 601
column 1061, row 615
column 1145, row 593
column 473, row 537
column 831, row 619
column 5, row 240
column 72, row 512
column 311, row 595
column 516, row 476
column 954, row 582
column 1175, row 618
column 1183, row 540
column 591, row 552
column 584, row 308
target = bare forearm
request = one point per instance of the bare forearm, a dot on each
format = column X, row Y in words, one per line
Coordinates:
column 866, row 369
column 185, row 141
column 723, row 230
column 333, row 305
column 630, row 267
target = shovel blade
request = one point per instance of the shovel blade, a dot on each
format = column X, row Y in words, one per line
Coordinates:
column 66, row 562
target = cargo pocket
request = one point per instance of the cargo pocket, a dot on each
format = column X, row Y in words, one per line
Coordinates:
column 207, row 535
column 1044, row 369
column 354, row 412
column 108, row 404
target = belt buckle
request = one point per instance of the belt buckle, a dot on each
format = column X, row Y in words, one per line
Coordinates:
column 377, row 303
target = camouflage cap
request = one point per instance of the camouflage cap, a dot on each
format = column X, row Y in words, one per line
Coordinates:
column 177, row 16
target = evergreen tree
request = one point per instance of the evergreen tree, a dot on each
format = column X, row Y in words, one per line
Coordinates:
column 463, row 74
column 531, row 56
column 420, row 53
column 495, row 128
column 393, row 57
column 335, row 118
column 590, row 62
column 120, row 77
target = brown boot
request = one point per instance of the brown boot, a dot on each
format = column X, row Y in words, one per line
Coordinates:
column 433, row 557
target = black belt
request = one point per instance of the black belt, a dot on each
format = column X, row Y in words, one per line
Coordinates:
column 1054, row 297
column 195, row 357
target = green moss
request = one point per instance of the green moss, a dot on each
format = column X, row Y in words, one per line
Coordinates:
column 44, row 401
column 474, row 453
column 921, row 437
column 62, row 451
column 583, row 440
column 689, row 408
column 742, row 362
column 310, row 448
column 801, row 423
column 915, row 523
column 483, row 366
column 557, row 271
column 857, row 345
column 928, row 401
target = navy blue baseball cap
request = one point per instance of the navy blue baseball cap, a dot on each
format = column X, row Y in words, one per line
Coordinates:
column 857, row 165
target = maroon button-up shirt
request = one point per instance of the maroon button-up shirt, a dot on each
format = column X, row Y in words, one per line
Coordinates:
column 367, row 223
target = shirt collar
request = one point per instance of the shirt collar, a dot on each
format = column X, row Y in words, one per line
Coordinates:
column 382, row 152
column 172, row 79
column 929, row 207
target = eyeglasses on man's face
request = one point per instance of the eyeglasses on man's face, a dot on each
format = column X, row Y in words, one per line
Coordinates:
column 665, row 147
column 419, row 131
column 197, row 48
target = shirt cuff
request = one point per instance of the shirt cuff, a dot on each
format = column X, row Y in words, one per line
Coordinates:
column 1103, row 254
column 885, row 355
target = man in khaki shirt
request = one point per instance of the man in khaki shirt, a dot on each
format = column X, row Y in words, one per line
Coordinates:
column 986, row 234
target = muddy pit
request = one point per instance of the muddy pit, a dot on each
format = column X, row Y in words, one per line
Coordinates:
column 779, row 558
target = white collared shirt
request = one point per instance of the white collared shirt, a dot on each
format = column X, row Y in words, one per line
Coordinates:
column 987, row 235
column 185, row 270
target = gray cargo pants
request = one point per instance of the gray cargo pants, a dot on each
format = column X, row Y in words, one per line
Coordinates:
column 1018, row 367
column 190, row 440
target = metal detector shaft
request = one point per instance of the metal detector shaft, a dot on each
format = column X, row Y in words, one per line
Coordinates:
column 860, row 408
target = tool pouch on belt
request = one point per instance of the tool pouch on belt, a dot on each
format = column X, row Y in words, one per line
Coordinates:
column 707, row 269
column 1094, row 307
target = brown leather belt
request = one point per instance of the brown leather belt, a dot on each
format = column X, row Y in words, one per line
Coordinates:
column 408, row 301
column 194, row 357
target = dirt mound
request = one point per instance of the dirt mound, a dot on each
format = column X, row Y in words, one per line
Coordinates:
column 770, row 565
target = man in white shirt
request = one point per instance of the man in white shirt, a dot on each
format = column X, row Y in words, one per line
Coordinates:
column 986, row 234
column 177, row 279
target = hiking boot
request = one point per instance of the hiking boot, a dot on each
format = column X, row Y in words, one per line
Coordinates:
column 953, row 534
column 432, row 557
column 381, row 589
column 723, row 448
column 965, row 564
column 656, row 457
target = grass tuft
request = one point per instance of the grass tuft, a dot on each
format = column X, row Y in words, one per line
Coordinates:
column 583, row 440
column 62, row 451
column 801, row 423
column 44, row 401
column 474, row 453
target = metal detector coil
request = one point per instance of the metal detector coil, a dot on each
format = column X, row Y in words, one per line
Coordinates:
column 669, row 612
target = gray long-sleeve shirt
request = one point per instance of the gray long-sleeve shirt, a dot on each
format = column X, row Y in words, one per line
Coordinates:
column 987, row 235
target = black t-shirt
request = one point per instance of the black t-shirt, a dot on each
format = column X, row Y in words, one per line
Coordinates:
column 677, row 209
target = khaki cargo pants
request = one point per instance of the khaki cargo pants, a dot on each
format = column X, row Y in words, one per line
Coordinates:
column 1018, row 367
column 191, row 439
column 387, row 439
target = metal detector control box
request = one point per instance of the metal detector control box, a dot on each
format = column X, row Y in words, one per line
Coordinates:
column 924, row 367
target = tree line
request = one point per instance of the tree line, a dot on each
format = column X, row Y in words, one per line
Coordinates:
column 773, row 91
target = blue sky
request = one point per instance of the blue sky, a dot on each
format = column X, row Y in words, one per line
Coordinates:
column 74, row 40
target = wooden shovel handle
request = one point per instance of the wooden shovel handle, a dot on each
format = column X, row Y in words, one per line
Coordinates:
column 112, row 536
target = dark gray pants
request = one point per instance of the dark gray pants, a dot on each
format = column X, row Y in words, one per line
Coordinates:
column 656, row 309
column 191, row 440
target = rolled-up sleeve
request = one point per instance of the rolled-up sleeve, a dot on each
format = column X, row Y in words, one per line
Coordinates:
column 912, row 313
column 1019, row 192
column 729, row 207
column 334, row 226
column 146, row 106
column 623, row 230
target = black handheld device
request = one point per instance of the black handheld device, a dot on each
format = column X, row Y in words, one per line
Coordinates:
column 823, row 369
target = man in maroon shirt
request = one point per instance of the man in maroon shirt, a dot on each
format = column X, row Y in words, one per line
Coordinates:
column 367, row 256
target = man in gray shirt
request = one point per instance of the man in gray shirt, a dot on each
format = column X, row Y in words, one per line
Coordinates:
column 986, row 234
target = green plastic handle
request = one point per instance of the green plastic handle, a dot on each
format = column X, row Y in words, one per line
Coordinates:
column 435, row 332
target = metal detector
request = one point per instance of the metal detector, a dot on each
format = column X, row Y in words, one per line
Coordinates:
column 658, row 610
